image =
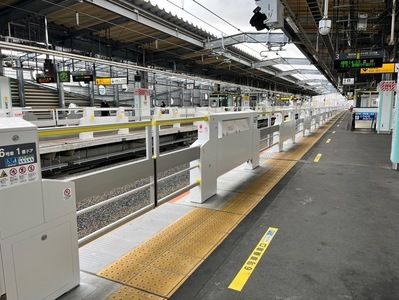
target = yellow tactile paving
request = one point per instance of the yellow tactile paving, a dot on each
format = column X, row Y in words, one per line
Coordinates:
column 156, row 268
column 126, row 292
column 156, row 281
column 176, row 262
column 123, row 270
column 193, row 248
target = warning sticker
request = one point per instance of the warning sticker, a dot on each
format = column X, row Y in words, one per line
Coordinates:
column 15, row 176
column 67, row 194
column 18, row 164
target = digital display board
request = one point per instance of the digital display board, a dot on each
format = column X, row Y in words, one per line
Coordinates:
column 348, row 64
column 81, row 76
column 45, row 79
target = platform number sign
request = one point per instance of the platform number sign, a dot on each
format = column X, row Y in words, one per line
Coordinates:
column 18, row 164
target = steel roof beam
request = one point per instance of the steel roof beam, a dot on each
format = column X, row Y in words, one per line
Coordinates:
column 283, row 61
column 136, row 16
column 256, row 37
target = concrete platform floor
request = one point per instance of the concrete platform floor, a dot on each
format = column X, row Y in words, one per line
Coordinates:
column 338, row 224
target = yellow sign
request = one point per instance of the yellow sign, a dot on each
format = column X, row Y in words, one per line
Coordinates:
column 103, row 81
column 249, row 266
column 386, row 68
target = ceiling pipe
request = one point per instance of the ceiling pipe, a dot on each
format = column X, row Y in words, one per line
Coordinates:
column 325, row 23
column 392, row 39
column 325, row 14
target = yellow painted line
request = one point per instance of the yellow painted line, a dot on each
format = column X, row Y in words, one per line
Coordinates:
column 249, row 266
column 159, row 122
column 90, row 128
column 333, row 132
column 328, row 141
column 338, row 125
column 317, row 158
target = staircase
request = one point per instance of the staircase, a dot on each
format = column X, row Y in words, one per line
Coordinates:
column 39, row 96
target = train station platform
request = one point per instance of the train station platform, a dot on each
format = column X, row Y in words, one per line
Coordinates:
column 315, row 221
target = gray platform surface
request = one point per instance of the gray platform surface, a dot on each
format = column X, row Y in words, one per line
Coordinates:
column 338, row 229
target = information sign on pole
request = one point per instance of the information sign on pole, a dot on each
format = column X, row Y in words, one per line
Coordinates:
column 386, row 68
column 119, row 80
column 103, row 81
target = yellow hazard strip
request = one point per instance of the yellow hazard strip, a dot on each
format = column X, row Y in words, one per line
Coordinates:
column 317, row 158
column 328, row 141
column 252, row 261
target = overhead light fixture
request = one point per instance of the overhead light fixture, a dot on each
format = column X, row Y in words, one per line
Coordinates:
column 324, row 26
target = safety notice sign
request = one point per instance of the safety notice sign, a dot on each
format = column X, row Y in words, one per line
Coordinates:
column 18, row 165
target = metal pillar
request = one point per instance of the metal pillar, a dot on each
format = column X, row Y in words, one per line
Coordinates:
column 60, row 87
column 395, row 138
column 385, row 107
column 21, row 84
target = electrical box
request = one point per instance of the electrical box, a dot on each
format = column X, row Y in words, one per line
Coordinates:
column 38, row 227
column 362, row 22
column 274, row 12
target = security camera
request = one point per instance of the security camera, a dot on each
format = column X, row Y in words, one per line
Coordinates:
column 124, row 87
column 324, row 26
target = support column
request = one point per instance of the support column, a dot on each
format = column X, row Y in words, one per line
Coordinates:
column 21, row 84
column 116, row 95
column 385, row 107
column 60, row 87
column 395, row 133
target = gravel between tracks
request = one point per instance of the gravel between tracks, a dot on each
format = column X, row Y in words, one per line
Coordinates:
column 107, row 214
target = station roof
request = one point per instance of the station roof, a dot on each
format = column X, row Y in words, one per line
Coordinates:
column 139, row 32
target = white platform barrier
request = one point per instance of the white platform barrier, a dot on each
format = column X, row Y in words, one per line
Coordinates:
column 89, row 118
column 226, row 141
column 229, row 139
column 167, row 113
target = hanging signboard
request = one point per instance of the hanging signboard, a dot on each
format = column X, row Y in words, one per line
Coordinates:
column 386, row 68
column 348, row 81
column 110, row 80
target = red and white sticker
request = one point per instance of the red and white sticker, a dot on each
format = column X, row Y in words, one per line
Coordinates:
column 11, row 177
column 13, row 172
column 67, row 193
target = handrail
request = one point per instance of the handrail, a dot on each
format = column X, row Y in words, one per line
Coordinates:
column 160, row 122
column 43, row 132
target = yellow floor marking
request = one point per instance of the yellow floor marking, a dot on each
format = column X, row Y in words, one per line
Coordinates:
column 333, row 131
column 328, row 141
column 161, row 264
column 249, row 266
column 317, row 158
column 338, row 125
column 131, row 294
